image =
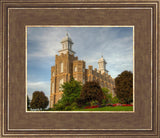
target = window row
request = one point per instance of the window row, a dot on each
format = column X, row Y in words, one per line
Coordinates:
column 76, row 70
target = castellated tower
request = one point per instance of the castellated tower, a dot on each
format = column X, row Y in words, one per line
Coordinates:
column 63, row 69
column 102, row 65
column 67, row 65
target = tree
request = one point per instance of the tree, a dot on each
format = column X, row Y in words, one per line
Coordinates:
column 71, row 92
column 28, row 103
column 124, row 87
column 108, row 96
column 39, row 100
column 92, row 91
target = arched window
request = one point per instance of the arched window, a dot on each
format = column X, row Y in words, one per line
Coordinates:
column 62, row 67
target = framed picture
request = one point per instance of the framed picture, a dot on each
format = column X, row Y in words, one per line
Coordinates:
column 28, row 48
column 66, row 73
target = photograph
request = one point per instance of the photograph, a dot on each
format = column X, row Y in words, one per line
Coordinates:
column 80, row 68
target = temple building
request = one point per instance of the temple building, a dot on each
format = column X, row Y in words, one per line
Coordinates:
column 67, row 65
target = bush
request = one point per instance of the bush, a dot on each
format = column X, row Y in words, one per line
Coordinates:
column 92, row 103
column 104, row 102
column 59, row 106
column 115, row 100
column 68, row 108
column 74, row 106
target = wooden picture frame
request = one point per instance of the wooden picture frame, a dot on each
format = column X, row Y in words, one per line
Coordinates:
column 16, row 122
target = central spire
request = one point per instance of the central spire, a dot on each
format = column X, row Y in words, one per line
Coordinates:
column 67, row 45
column 102, row 65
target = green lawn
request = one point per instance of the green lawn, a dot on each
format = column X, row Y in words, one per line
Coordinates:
column 109, row 108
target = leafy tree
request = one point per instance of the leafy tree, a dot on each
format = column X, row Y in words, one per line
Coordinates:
column 124, row 87
column 71, row 92
column 28, row 103
column 39, row 100
column 92, row 91
column 108, row 96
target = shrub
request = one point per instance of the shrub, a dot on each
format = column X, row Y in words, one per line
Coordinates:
column 74, row 106
column 104, row 102
column 92, row 103
column 59, row 106
column 115, row 100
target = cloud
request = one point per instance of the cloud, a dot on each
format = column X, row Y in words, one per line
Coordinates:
column 38, row 86
column 45, row 41
column 114, row 43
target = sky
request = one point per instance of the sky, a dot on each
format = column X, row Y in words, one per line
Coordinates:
column 115, row 44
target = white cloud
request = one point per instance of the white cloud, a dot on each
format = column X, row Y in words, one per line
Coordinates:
column 89, row 44
column 38, row 86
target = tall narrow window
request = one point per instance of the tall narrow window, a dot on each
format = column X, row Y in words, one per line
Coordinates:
column 62, row 67
column 52, row 73
column 52, row 87
column 60, row 84
column 83, row 81
column 75, row 69
column 83, row 70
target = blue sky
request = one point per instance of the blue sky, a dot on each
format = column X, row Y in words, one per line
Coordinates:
column 90, row 43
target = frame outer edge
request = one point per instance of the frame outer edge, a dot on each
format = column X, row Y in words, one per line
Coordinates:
column 1, row 54
column 158, row 66
column 73, row 1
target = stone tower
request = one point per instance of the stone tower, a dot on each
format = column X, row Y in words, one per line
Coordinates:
column 102, row 65
column 63, row 69
column 67, row 66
